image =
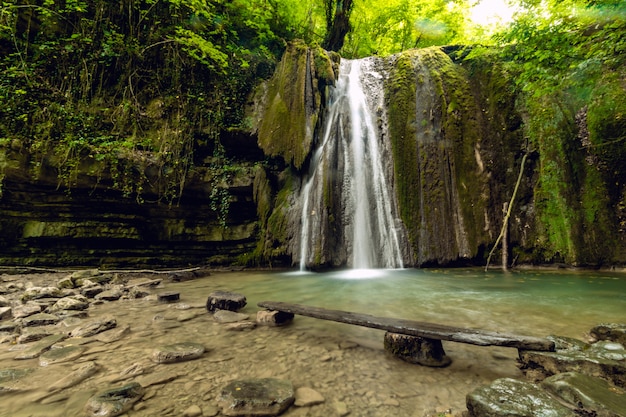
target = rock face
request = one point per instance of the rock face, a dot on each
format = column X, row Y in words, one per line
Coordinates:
column 256, row 397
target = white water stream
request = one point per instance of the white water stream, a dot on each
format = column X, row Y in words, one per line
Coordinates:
column 349, row 163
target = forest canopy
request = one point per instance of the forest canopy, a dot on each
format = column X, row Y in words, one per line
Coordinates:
column 162, row 78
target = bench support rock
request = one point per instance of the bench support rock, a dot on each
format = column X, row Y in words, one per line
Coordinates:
column 414, row 349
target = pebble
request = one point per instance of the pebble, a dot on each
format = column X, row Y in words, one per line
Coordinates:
column 192, row 411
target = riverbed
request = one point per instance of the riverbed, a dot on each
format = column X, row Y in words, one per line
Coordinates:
column 346, row 364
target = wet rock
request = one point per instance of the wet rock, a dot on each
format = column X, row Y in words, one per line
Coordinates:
column 40, row 319
column 610, row 331
column 4, row 302
column 273, row 318
column 138, row 292
column 507, row 397
column 109, row 295
column 157, row 378
column 83, row 372
column 40, row 347
column 178, row 352
column 604, row 359
column 92, row 290
column 306, row 397
column 32, row 336
column 10, row 377
column 35, row 293
column 187, row 315
column 256, row 397
column 225, row 300
column 114, row 402
column 241, row 326
column 67, row 282
column 59, row 355
column 589, row 396
column 168, row 297
column 6, row 313
column 94, row 327
column 73, row 302
column 341, row 408
column 413, row 349
column 9, row 327
column 26, row 310
column 225, row 316
column 111, row 336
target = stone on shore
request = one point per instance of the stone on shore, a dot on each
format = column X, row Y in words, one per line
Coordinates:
column 590, row 396
column 83, row 372
column 40, row 319
column 113, row 402
column 26, row 310
column 109, row 295
column 94, row 327
column 6, row 313
column 225, row 316
column 9, row 379
column 178, row 352
column 256, row 397
column 225, row 300
column 35, row 293
column 604, row 359
column 72, row 302
column 40, row 347
column 507, row 397
column 64, row 354
column 614, row 332
column 306, row 397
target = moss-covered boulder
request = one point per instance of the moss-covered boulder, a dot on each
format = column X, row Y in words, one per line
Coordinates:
column 290, row 103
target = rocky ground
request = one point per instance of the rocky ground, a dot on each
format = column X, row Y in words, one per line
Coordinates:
column 144, row 344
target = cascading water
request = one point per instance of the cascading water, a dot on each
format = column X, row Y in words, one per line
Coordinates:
column 348, row 212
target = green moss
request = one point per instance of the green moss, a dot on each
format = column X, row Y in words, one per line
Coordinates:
column 293, row 101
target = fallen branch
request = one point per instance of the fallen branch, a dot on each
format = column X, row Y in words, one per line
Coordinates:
column 508, row 213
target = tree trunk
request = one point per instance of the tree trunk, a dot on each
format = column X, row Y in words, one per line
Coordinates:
column 337, row 24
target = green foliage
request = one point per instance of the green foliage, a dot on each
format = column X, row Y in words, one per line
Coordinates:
column 391, row 26
column 568, row 61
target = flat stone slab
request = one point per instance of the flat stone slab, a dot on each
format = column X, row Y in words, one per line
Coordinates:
column 507, row 397
column 83, row 372
column 256, row 397
column 40, row 347
column 604, row 359
column 225, row 300
column 6, row 313
column 589, row 396
column 225, row 316
column 94, row 327
column 109, row 295
column 10, row 377
column 113, row 402
column 64, row 354
column 40, row 319
column 178, row 352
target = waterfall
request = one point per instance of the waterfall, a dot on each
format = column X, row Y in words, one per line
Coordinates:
column 348, row 210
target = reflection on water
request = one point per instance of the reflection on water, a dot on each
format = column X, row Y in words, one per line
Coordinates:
column 313, row 353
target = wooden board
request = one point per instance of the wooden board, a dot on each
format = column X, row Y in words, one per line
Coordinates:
column 416, row 328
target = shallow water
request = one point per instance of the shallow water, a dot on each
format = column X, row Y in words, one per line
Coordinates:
column 359, row 376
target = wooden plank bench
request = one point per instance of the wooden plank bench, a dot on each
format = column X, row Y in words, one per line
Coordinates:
column 433, row 334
